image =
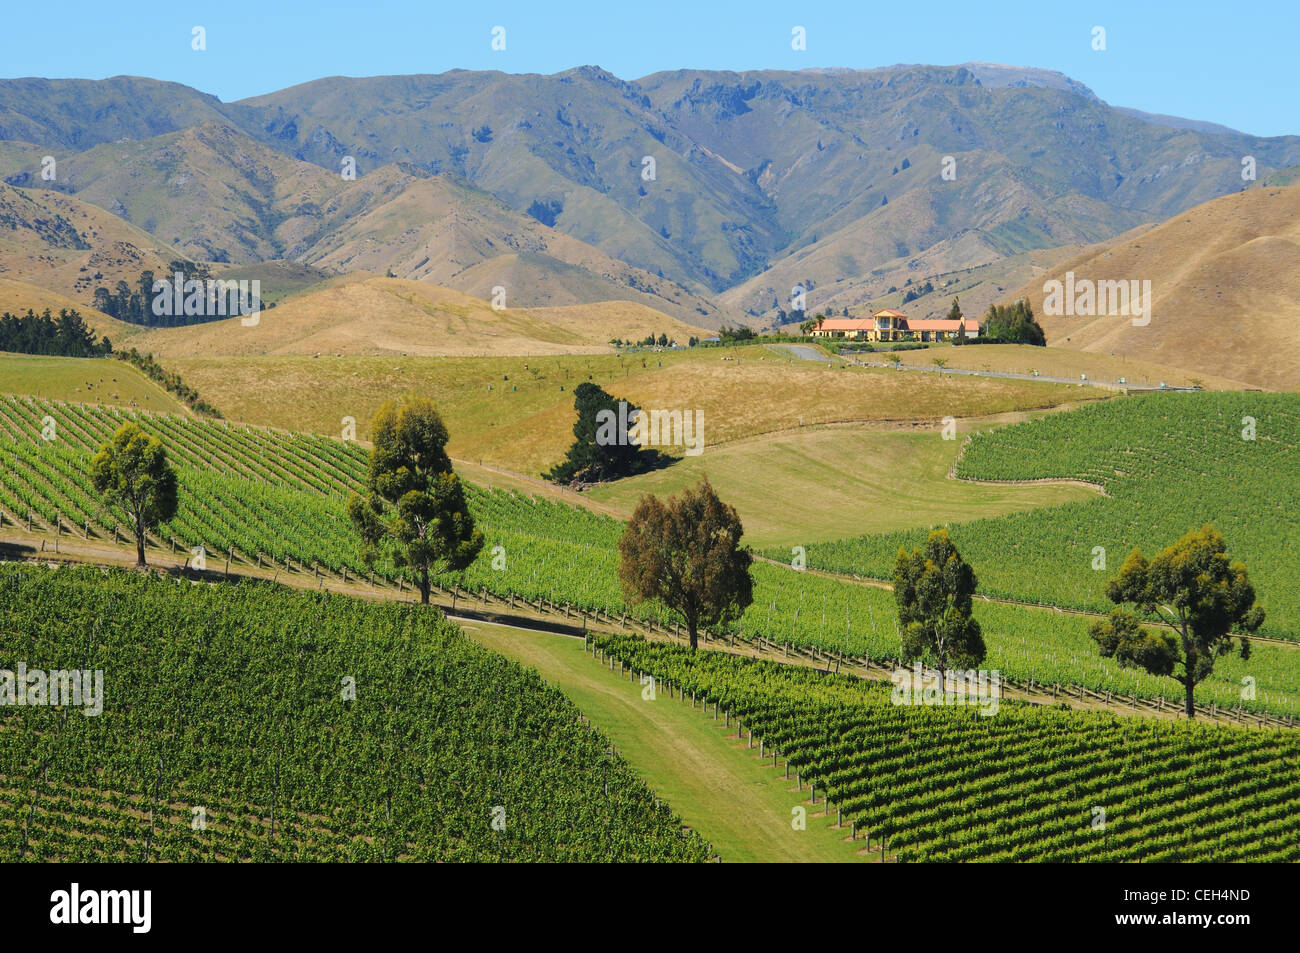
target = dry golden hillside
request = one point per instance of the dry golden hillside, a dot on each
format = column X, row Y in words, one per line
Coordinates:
column 71, row 247
column 1225, row 281
column 366, row 315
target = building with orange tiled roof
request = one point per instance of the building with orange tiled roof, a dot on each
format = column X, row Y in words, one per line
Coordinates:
column 890, row 325
column 850, row 328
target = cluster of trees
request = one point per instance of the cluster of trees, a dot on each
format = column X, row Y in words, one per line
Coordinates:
column 135, row 305
column 728, row 335
column 1205, row 599
column 64, row 336
column 170, row 381
column 650, row 340
column 414, row 509
column 1014, row 324
column 913, row 293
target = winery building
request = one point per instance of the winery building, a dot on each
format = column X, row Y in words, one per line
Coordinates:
column 890, row 325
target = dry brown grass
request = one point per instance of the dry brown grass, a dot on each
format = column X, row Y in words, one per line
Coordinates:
column 38, row 252
column 525, row 423
column 1060, row 362
column 1226, row 281
column 762, row 393
column 367, row 315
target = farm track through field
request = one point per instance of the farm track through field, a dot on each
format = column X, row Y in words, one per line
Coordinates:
column 468, row 606
column 714, row 780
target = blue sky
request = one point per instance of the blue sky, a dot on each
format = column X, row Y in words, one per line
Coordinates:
column 1231, row 63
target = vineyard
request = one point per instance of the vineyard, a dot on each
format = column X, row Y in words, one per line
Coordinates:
column 1168, row 463
column 279, row 498
column 249, row 722
column 1030, row 784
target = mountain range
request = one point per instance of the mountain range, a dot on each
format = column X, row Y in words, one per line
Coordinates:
column 709, row 196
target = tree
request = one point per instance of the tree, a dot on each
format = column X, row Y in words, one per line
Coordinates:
column 146, row 297
column 686, row 553
column 602, row 447
column 1013, row 325
column 933, row 589
column 954, row 314
column 132, row 471
column 416, row 508
column 1192, row 586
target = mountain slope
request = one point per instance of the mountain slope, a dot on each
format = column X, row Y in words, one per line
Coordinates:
column 436, row 229
column 569, row 147
column 223, row 197
column 76, row 114
column 71, row 247
column 1225, row 278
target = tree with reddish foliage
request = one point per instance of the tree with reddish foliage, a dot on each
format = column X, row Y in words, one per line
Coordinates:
column 686, row 554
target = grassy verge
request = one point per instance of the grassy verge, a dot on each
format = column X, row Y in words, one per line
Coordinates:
column 717, row 785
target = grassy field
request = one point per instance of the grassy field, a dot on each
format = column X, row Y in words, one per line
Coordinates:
column 714, row 783
column 98, row 381
column 1060, row 362
column 824, row 483
column 517, row 412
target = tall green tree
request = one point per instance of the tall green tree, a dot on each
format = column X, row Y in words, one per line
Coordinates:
column 602, row 439
column 686, row 554
column 415, row 509
column 933, row 589
column 955, row 314
column 1196, row 589
column 132, row 471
